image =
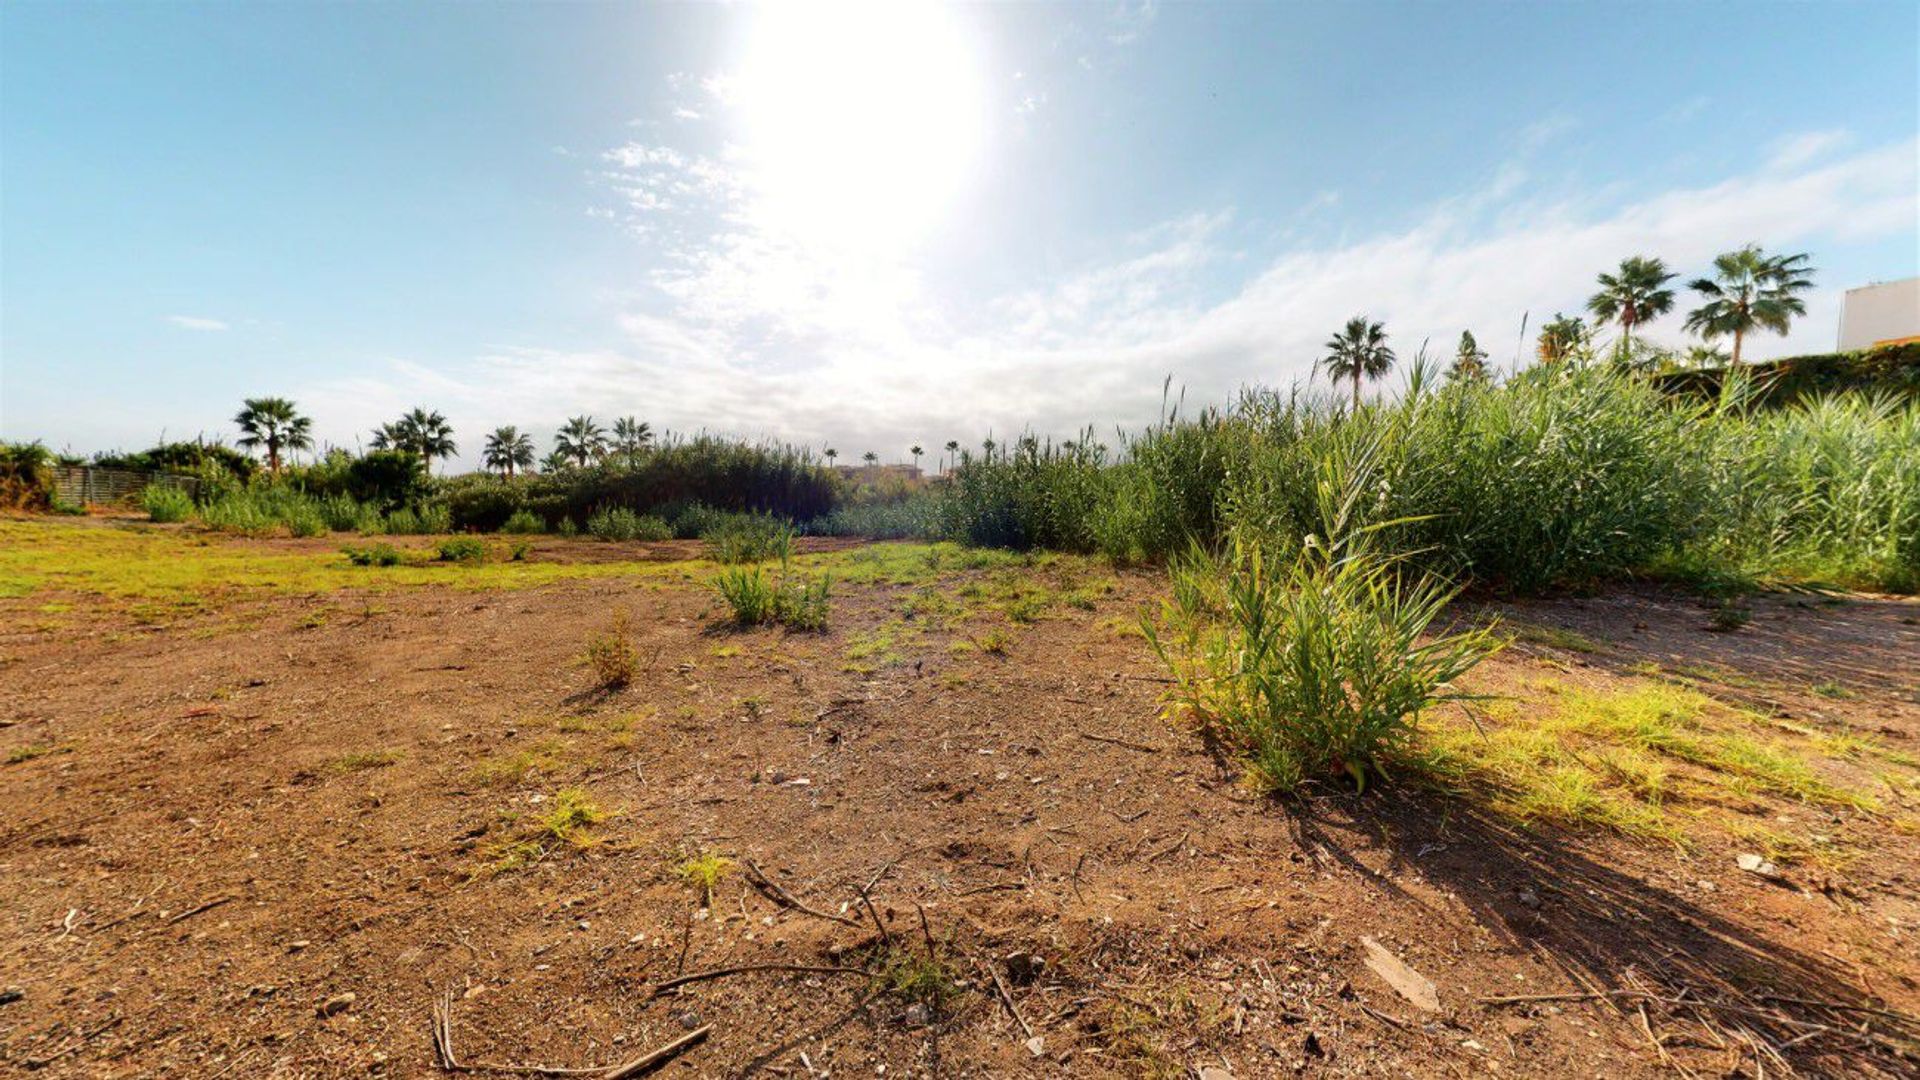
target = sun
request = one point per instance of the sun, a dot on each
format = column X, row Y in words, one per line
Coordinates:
column 859, row 123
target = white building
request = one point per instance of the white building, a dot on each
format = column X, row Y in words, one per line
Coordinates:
column 1882, row 314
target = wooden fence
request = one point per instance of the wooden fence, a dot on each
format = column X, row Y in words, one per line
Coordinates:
column 80, row 485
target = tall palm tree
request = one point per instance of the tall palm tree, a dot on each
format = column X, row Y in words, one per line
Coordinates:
column 273, row 423
column 870, row 458
column 430, row 436
column 1561, row 338
column 953, row 451
column 507, row 448
column 630, row 437
column 389, row 437
column 580, row 440
column 1469, row 360
column 1357, row 352
column 831, row 454
column 1750, row 290
column 916, row 452
column 1637, row 293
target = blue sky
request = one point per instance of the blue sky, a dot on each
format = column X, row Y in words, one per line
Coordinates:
column 869, row 226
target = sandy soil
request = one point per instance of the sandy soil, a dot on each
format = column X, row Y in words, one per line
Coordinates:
column 249, row 814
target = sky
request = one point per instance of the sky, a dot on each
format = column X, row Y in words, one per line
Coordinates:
column 873, row 225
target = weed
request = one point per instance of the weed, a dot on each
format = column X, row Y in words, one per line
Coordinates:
column 26, row 753
column 516, row 767
column 1832, row 690
column 993, row 642
column 620, row 523
column 166, row 503
column 1558, row 638
column 523, row 522
column 611, row 656
column 704, row 871
column 374, row 555
column 572, row 812
column 756, row 599
column 749, row 539
column 1730, row 615
column 462, row 549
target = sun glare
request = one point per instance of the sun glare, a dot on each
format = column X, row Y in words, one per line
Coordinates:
column 860, row 123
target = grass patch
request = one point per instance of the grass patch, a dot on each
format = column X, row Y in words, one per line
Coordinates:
column 704, row 871
column 505, row 769
column 1557, row 638
column 22, row 754
column 611, row 656
column 365, row 760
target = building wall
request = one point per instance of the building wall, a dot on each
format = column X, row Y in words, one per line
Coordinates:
column 1880, row 314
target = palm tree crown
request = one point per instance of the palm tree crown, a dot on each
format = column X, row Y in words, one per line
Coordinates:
column 273, row 423
column 1750, row 290
column 1636, row 294
column 509, row 448
column 425, row 434
column 580, row 440
column 1357, row 352
column 630, row 437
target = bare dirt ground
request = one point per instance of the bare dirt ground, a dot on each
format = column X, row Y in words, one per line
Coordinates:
column 217, row 828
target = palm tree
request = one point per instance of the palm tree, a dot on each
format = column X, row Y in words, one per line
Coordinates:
column 389, row 437
column 1359, row 351
column 916, row 452
column 1636, row 294
column 831, row 454
column 630, row 437
column 430, row 436
column 580, row 440
column 556, row 461
column 1750, row 290
column 507, row 448
column 1469, row 360
column 272, row 422
column 953, row 450
column 1561, row 338
column 870, row 458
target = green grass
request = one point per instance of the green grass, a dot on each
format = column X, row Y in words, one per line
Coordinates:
column 704, row 870
column 514, row 768
column 153, row 564
column 365, row 760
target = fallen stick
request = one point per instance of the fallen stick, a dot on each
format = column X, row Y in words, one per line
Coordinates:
column 778, row 895
column 720, row 973
column 1006, row 998
column 208, row 906
column 1679, row 1003
column 444, row 1059
column 1143, row 747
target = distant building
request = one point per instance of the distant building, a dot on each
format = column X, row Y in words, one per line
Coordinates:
column 1885, row 314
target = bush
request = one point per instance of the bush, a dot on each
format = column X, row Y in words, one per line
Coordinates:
column 755, row 599
column 343, row 513
column 620, row 523
column 166, row 503
column 611, row 655
column 463, row 549
column 1315, row 668
column 524, row 523
column 373, row 555
column 749, row 539
column 26, row 476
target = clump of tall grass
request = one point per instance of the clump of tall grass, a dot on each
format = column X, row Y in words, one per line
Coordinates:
column 166, row 503
column 1315, row 667
column 523, row 523
column 755, row 598
column 611, row 655
column 620, row 523
column 749, row 539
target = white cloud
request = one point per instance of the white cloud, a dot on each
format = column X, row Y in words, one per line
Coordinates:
column 757, row 338
column 196, row 322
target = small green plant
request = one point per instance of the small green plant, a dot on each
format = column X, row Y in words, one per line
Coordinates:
column 571, row 814
column 757, row 599
column 523, row 523
column 465, row 549
column 567, row 528
column 166, row 503
column 620, row 523
column 364, row 760
column 611, row 655
column 1832, row 690
column 747, row 539
column 373, row 555
column 20, row 754
column 517, row 551
column 543, row 756
column 994, row 642
column 704, row 870
column 1730, row 615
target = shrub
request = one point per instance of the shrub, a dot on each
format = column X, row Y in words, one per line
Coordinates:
column 373, row 555
column 462, row 549
column 26, row 476
column 619, row 523
column 749, row 539
column 524, row 523
column 567, row 528
column 756, row 599
column 342, row 513
column 1316, row 669
column 166, row 503
column 303, row 518
column 611, row 655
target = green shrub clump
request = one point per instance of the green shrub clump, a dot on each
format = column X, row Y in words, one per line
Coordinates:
column 619, row 523
column 469, row 549
column 755, row 599
column 523, row 523
column 166, row 503
column 747, row 538
column 374, row 555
